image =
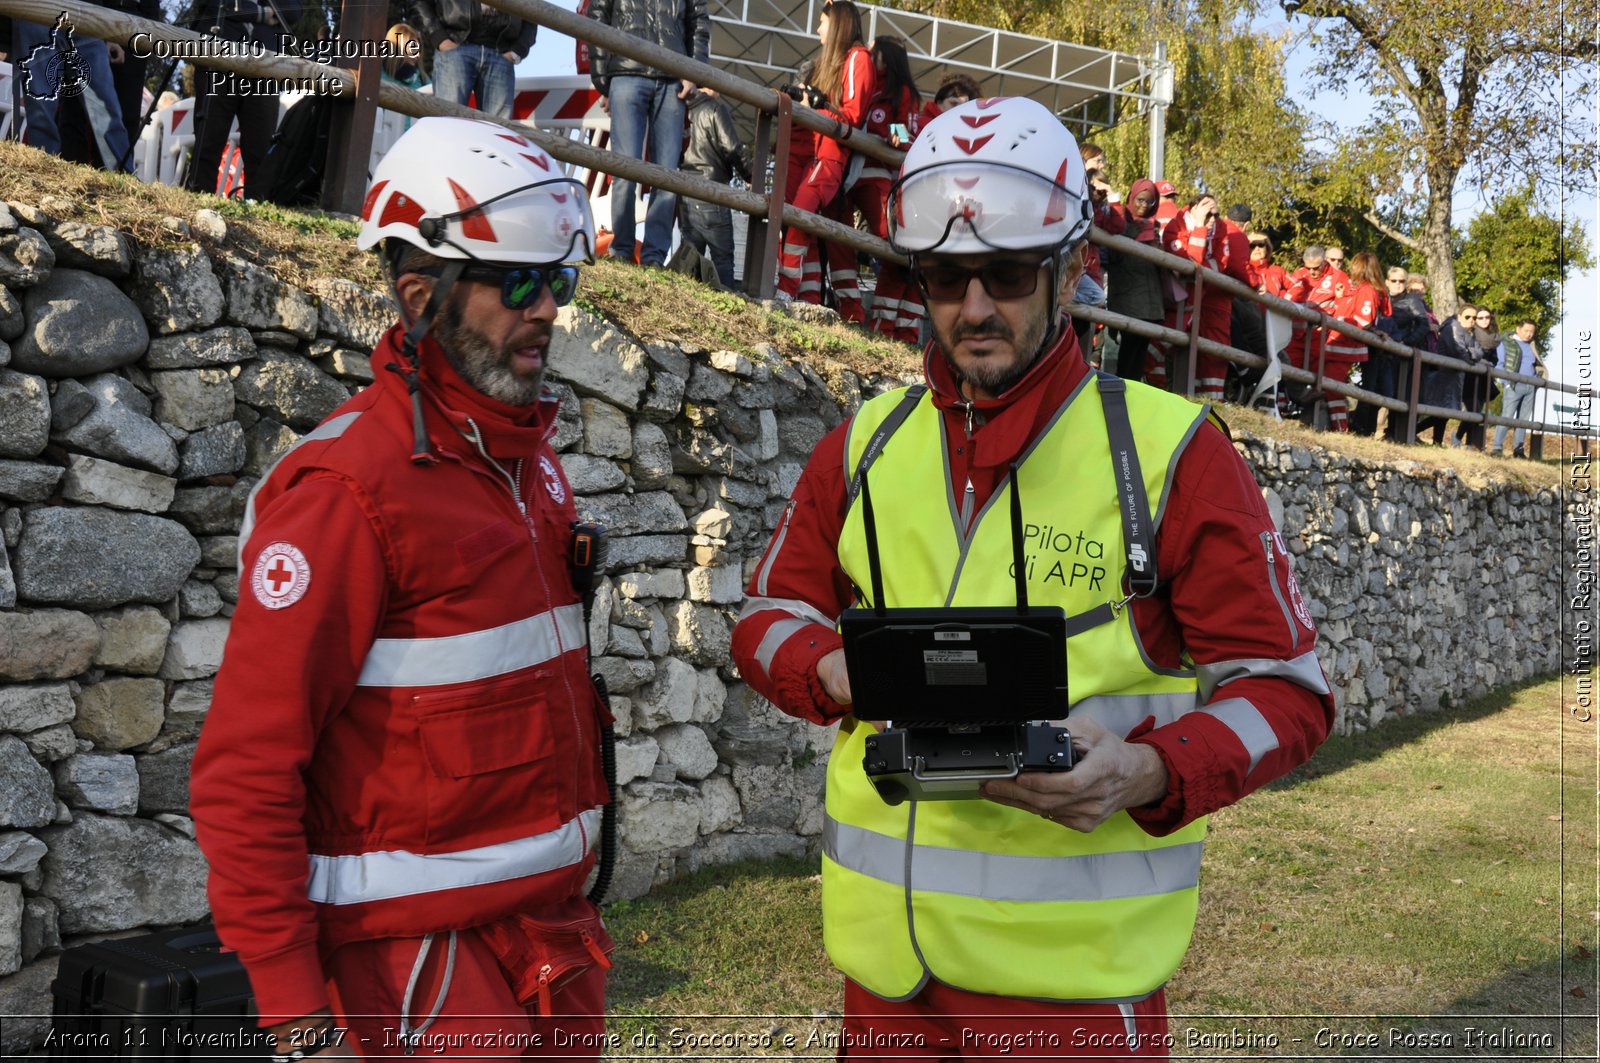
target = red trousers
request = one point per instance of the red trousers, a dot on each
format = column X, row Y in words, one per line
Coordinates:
column 482, row 1016
column 799, row 264
column 941, row 1023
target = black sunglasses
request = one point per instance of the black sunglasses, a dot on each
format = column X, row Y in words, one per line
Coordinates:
column 520, row 285
column 1002, row 280
column 1258, row 243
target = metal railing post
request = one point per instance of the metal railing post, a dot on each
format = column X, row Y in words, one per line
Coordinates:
column 1415, row 397
column 757, row 233
column 1194, row 336
column 773, row 247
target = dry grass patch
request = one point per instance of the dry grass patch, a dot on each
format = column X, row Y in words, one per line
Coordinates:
column 1473, row 467
column 296, row 245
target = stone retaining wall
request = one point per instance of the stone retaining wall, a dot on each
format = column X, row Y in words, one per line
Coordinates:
column 144, row 391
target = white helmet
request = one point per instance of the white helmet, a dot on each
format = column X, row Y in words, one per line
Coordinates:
column 999, row 174
column 469, row 189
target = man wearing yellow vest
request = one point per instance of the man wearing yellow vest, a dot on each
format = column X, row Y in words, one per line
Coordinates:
column 1045, row 918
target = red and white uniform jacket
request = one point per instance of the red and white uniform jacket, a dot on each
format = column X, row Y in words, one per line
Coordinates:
column 1222, row 247
column 1359, row 308
column 1272, row 279
column 859, row 84
column 1320, row 293
column 403, row 737
column 883, row 112
column 1217, row 610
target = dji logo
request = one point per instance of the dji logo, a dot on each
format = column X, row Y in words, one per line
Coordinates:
column 1137, row 557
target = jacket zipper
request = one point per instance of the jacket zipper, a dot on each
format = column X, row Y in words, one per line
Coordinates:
column 514, row 483
column 1277, row 591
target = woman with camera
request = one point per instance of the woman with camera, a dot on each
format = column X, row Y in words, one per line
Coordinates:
column 844, row 75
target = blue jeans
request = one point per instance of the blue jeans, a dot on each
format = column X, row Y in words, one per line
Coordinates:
column 468, row 67
column 1516, row 402
column 100, row 98
column 708, row 228
column 640, row 105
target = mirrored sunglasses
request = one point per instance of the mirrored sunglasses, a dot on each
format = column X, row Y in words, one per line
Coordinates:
column 520, row 286
column 1002, row 280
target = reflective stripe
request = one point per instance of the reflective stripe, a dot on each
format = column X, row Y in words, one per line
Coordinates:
column 385, row 875
column 1121, row 713
column 990, row 876
column 774, row 639
column 327, row 430
column 474, row 655
column 793, row 606
column 1248, row 726
column 1303, row 670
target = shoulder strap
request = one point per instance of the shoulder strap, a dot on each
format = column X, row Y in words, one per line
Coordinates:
column 880, row 438
column 1138, row 529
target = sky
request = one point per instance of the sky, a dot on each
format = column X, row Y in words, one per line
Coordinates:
column 552, row 56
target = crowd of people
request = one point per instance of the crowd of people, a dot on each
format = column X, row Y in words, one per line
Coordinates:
column 869, row 87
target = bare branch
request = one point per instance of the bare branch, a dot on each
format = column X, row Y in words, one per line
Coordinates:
column 1392, row 233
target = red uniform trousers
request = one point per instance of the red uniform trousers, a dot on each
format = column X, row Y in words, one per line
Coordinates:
column 799, row 264
column 941, row 1023
column 480, row 1016
column 1210, row 372
column 897, row 309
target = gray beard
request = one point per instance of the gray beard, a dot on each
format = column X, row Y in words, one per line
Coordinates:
column 482, row 364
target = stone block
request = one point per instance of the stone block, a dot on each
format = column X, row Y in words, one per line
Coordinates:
column 194, row 649
column 99, row 783
column 193, row 399
column 46, row 644
column 79, row 324
column 97, row 482
column 109, row 873
column 98, row 558
column 606, row 432
column 117, row 714
column 655, row 816
column 687, row 749
column 31, row 706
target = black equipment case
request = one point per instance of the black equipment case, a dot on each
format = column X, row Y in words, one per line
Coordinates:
column 173, row 995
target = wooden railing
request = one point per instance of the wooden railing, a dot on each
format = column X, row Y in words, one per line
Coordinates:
column 767, row 211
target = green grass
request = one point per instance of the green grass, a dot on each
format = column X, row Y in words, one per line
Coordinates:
column 1426, row 873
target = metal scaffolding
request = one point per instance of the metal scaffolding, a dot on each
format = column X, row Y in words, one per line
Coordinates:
column 1088, row 88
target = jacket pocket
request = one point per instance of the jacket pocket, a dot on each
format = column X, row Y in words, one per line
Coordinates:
column 495, row 762
column 544, row 953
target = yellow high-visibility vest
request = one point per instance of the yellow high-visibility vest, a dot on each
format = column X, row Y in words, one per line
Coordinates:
column 974, row 894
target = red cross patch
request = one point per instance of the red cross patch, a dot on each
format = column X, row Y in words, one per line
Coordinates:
column 281, row 575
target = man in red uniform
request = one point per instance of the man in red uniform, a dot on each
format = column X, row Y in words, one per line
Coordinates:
column 1201, row 236
column 398, row 787
column 1318, row 284
column 996, row 241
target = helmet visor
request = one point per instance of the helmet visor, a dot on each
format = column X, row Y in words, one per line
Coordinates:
column 969, row 206
column 547, row 221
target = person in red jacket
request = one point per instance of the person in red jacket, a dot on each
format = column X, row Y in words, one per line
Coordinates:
column 997, row 241
column 1204, row 237
column 1270, row 279
column 1361, row 304
column 399, row 786
column 896, row 304
column 1319, row 285
column 844, row 75
column 955, row 88
column 1168, row 208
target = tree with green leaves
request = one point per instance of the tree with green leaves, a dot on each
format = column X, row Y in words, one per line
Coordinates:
column 1513, row 260
column 1482, row 89
column 1231, row 130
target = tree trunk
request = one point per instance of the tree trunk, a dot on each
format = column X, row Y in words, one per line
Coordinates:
column 1435, row 241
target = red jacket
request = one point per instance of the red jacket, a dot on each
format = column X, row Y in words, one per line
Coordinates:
column 858, row 85
column 883, row 112
column 1319, row 293
column 403, row 737
column 1216, row 551
column 1222, row 247
column 1360, row 308
column 1272, row 279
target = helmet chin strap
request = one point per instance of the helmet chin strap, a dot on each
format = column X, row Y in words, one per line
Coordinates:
column 421, row 453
